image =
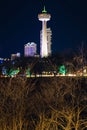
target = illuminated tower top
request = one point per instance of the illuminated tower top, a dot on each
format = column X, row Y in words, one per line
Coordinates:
column 44, row 16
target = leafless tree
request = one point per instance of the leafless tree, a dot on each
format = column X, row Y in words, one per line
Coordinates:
column 58, row 103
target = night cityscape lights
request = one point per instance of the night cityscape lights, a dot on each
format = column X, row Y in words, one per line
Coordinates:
column 13, row 68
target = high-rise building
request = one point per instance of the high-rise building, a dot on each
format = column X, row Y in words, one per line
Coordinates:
column 44, row 17
column 49, row 42
column 30, row 49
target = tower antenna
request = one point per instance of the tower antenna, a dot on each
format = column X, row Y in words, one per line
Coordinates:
column 44, row 10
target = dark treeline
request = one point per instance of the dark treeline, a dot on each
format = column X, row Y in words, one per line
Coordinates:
column 58, row 103
column 74, row 60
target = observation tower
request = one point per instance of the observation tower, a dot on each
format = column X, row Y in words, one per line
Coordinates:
column 44, row 17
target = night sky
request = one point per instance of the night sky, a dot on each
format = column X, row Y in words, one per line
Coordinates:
column 19, row 24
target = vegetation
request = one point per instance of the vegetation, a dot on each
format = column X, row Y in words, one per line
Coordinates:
column 58, row 103
column 74, row 63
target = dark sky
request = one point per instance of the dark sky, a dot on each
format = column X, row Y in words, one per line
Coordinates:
column 19, row 24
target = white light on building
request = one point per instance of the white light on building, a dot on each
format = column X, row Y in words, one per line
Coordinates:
column 30, row 49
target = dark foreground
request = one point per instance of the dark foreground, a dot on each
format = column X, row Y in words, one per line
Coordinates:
column 58, row 103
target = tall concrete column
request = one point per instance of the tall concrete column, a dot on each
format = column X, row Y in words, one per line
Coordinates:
column 44, row 40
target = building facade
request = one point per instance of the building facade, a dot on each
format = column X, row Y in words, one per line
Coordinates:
column 30, row 49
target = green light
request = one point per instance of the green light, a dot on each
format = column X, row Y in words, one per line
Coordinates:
column 28, row 72
column 13, row 72
column 44, row 10
column 62, row 69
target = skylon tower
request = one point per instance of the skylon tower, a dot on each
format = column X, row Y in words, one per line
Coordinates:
column 44, row 17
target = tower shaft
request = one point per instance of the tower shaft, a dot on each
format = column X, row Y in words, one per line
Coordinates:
column 44, row 50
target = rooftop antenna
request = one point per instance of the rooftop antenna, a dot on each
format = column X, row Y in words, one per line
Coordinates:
column 44, row 10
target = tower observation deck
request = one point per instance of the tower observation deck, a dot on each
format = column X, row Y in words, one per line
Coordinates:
column 44, row 17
